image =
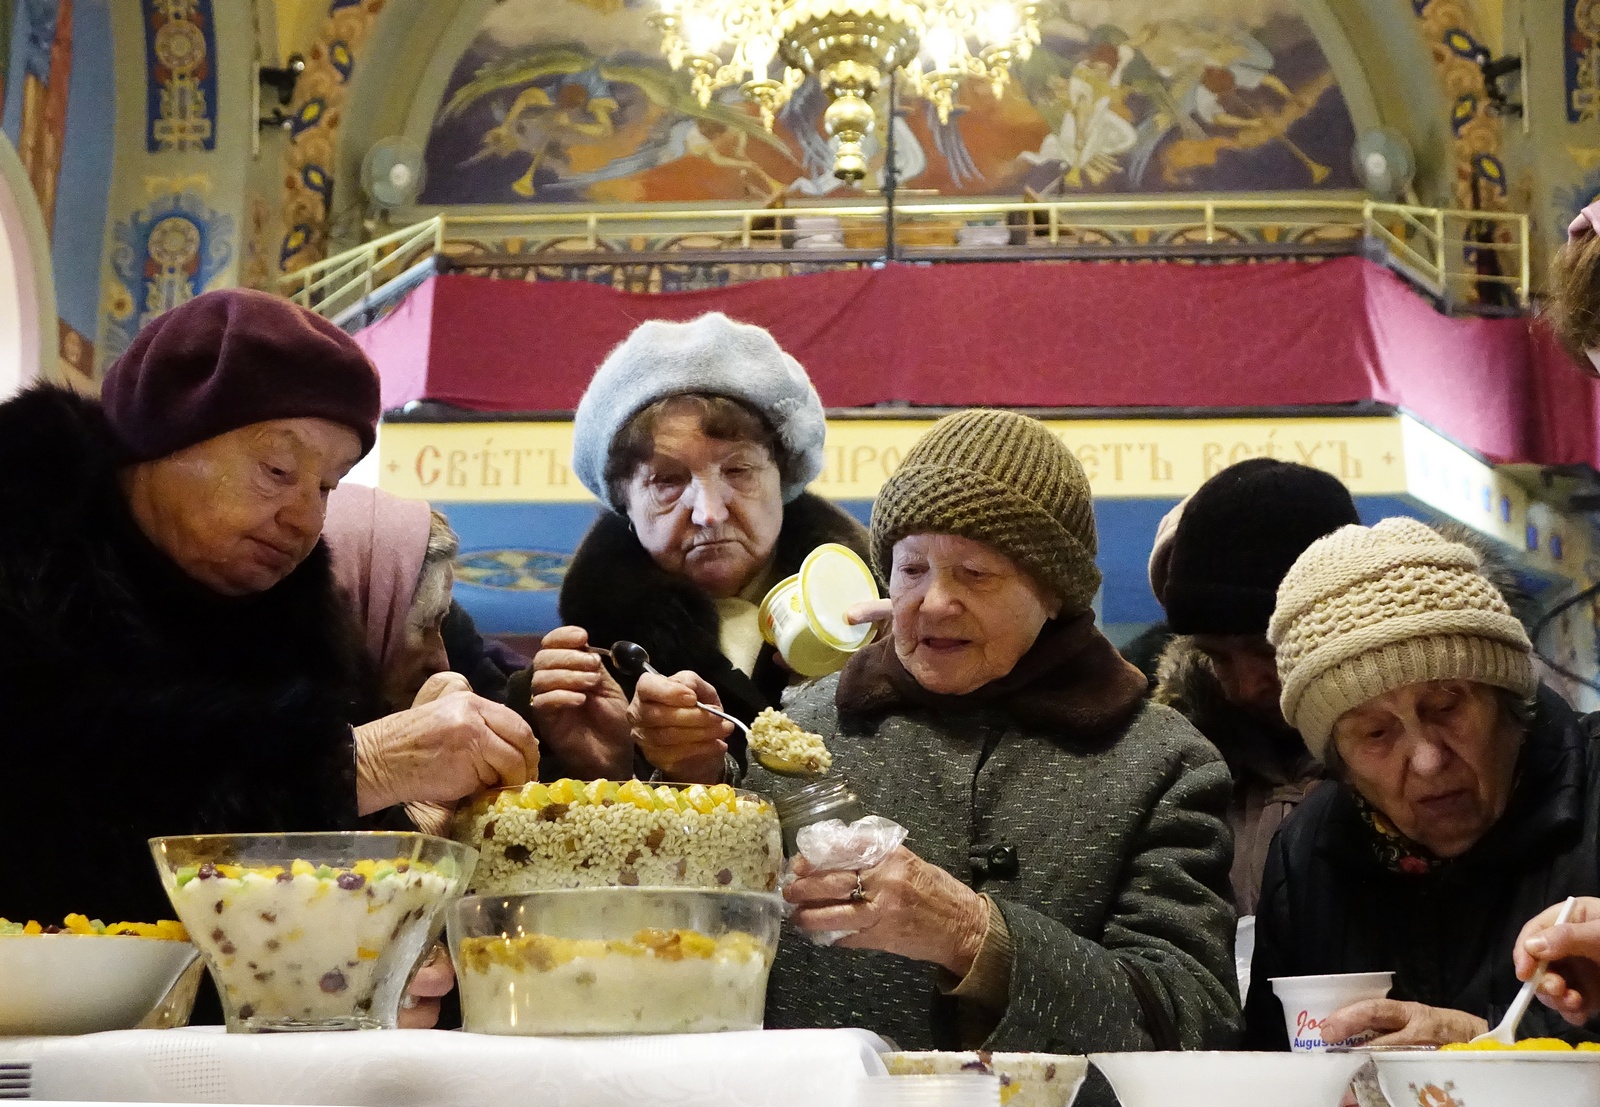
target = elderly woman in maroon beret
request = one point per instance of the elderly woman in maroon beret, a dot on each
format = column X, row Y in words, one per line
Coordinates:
column 174, row 657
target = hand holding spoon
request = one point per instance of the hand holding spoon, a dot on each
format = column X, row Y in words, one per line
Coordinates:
column 630, row 658
column 1506, row 1032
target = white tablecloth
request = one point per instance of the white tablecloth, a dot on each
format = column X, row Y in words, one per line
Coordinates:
column 433, row 1068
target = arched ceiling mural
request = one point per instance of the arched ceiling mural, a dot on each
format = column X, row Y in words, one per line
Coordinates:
column 569, row 101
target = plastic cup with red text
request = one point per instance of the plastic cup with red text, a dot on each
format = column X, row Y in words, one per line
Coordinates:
column 1308, row 1000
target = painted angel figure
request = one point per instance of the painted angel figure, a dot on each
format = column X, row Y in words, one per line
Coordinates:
column 1094, row 130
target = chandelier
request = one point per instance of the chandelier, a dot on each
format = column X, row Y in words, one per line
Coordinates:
column 851, row 47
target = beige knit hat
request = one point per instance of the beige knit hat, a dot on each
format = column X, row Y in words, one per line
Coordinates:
column 1367, row 610
column 1002, row 479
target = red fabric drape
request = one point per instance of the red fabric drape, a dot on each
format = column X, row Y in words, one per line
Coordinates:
column 1033, row 335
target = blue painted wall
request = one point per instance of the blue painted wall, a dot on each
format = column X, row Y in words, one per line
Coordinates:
column 84, row 183
column 519, row 550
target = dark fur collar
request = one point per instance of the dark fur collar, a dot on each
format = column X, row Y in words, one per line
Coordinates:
column 615, row 591
column 1072, row 683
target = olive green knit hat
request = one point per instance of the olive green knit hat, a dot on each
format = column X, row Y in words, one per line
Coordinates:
column 1003, row 479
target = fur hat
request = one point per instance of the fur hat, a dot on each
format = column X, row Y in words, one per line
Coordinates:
column 1003, row 479
column 1237, row 537
column 1367, row 610
column 711, row 355
column 230, row 358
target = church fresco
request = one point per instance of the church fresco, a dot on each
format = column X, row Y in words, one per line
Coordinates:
column 569, row 101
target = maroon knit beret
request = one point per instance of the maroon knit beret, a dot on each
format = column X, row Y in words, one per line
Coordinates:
column 230, row 358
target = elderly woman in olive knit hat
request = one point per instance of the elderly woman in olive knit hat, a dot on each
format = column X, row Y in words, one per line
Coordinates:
column 700, row 439
column 1067, row 869
column 1467, row 795
column 173, row 656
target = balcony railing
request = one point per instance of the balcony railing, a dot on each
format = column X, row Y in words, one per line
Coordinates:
column 1465, row 259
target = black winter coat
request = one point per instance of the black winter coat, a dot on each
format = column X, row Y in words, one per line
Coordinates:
column 1328, row 906
column 616, row 592
column 133, row 701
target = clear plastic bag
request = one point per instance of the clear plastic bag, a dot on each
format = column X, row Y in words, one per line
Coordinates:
column 834, row 846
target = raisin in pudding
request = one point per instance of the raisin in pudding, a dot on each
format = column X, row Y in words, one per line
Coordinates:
column 597, row 834
column 312, row 931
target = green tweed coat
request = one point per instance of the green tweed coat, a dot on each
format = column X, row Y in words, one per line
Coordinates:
column 1120, row 914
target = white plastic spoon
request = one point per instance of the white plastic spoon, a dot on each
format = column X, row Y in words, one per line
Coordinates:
column 1506, row 1032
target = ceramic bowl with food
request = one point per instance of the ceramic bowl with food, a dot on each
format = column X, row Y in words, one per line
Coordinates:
column 1498, row 1078
column 1200, row 1079
column 602, row 834
column 614, row 960
column 1026, row 1079
column 86, row 979
column 312, row 931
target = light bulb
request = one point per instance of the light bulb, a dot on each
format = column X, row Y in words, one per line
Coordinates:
column 759, row 51
column 701, row 33
column 999, row 22
column 941, row 45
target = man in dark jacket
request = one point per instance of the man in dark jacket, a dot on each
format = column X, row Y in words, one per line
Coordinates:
column 1216, row 571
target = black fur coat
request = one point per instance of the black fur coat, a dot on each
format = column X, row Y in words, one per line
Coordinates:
column 616, row 592
column 133, row 701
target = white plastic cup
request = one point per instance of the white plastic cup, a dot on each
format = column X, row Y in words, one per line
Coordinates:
column 1309, row 1000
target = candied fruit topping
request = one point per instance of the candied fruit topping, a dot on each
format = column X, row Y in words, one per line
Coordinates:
column 555, row 799
column 168, row 930
column 543, row 952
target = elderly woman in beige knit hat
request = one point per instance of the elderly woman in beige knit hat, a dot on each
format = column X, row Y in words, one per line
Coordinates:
column 1467, row 796
column 1067, row 876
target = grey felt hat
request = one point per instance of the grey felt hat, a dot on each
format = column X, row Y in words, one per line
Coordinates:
column 711, row 355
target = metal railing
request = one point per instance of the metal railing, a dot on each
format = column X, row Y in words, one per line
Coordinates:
column 1461, row 257
column 337, row 284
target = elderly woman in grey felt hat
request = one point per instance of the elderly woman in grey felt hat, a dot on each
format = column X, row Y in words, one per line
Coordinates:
column 700, row 439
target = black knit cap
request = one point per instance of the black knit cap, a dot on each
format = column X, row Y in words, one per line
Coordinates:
column 1239, row 534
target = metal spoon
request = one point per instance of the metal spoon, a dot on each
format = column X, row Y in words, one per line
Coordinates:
column 1506, row 1032
column 631, row 659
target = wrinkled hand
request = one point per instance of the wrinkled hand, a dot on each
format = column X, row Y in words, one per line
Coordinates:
column 1401, row 1023
column 419, row 1009
column 579, row 707
column 449, row 744
column 434, row 818
column 912, row 908
column 678, row 738
column 1571, row 987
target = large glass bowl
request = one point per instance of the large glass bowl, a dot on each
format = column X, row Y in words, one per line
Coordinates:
column 602, row 833
column 614, row 960
column 312, row 931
